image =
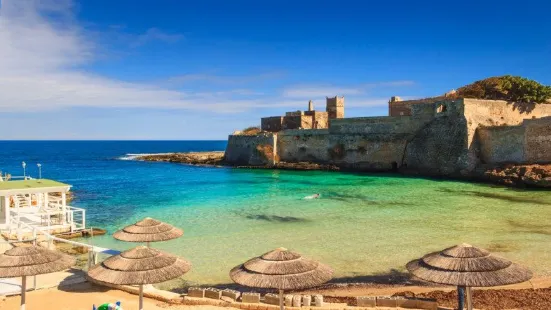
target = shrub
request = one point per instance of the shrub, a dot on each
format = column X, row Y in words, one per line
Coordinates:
column 251, row 131
column 507, row 87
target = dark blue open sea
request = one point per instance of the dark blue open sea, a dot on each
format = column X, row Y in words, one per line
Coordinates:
column 362, row 225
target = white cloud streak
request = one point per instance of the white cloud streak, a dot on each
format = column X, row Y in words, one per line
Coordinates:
column 319, row 91
column 154, row 34
column 223, row 79
column 41, row 65
column 39, row 70
column 312, row 91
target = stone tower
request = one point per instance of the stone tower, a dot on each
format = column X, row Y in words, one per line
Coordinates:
column 310, row 106
column 335, row 107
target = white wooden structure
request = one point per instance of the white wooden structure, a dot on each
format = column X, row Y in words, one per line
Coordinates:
column 38, row 203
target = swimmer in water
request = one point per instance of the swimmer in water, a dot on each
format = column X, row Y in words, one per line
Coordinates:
column 315, row 196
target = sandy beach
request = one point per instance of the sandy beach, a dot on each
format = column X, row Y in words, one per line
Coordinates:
column 83, row 296
column 535, row 295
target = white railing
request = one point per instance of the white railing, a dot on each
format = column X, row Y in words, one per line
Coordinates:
column 93, row 251
column 77, row 218
column 73, row 217
column 20, row 177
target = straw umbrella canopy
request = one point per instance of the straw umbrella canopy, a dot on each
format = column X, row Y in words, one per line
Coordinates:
column 138, row 266
column 283, row 270
column 23, row 261
column 467, row 266
column 148, row 230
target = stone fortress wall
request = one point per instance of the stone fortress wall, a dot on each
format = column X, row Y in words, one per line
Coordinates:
column 245, row 150
column 310, row 119
column 437, row 136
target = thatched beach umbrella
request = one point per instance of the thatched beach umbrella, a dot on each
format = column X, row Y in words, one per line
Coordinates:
column 283, row 270
column 138, row 266
column 467, row 266
column 148, row 230
column 24, row 261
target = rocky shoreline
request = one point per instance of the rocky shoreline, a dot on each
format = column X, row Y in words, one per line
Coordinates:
column 521, row 175
column 532, row 176
column 192, row 158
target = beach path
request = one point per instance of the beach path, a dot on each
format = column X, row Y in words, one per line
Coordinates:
column 83, row 295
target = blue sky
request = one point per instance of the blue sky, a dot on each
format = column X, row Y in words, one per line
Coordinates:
column 97, row 69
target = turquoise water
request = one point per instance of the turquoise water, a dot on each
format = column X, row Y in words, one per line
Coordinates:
column 362, row 225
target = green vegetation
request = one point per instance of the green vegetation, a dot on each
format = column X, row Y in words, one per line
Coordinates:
column 507, row 87
column 250, row 131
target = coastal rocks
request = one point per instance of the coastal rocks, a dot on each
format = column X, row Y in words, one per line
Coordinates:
column 305, row 166
column 69, row 196
column 521, row 175
column 296, row 166
column 192, row 158
column 217, row 159
column 510, row 175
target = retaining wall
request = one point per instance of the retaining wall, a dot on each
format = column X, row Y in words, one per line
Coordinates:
column 445, row 137
column 251, row 150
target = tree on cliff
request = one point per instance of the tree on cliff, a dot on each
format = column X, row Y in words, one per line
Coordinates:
column 507, row 87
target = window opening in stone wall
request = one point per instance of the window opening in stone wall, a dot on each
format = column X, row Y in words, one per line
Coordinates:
column 441, row 108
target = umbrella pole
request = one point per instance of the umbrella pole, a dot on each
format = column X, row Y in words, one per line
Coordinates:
column 469, row 298
column 460, row 298
column 23, row 291
column 141, row 296
column 281, row 300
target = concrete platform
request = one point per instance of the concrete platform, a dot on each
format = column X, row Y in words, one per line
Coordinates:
column 12, row 286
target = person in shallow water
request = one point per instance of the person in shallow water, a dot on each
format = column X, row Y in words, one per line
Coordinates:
column 315, row 196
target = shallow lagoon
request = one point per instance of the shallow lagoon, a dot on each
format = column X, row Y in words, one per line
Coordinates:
column 363, row 224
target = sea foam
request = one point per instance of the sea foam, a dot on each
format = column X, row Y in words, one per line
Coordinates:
column 135, row 156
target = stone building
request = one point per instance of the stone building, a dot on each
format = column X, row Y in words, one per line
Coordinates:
column 437, row 136
column 310, row 119
column 335, row 107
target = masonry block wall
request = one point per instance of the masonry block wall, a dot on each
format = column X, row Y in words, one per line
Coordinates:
column 335, row 107
column 251, row 150
column 529, row 142
column 320, row 120
column 537, row 141
column 397, row 107
column 304, row 145
column 444, row 137
column 493, row 140
column 271, row 124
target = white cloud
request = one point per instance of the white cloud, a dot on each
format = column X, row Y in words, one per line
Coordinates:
column 222, row 79
column 319, row 91
column 41, row 69
column 154, row 34
column 312, row 91
column 389, row 84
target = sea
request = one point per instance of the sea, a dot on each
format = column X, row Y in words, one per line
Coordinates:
column 365, row 226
